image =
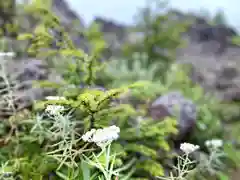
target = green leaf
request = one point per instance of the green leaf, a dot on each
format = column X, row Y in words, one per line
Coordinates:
column 223, row 176
column 24, row 36
column 72, row 52
column 85, row 170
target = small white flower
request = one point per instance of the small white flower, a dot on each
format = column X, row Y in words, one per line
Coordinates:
column 87, row 137
column 55, row 98
column 215, row 143
column 113, row 129
column 188, row 148
column 7, row 54
column 54, row 109
column 102, row 136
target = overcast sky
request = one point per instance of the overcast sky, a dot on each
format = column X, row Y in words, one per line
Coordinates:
column 123, row 10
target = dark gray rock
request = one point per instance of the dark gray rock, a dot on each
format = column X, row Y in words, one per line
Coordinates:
column 175, row 104
column 232, row 95
column 226, row 76
column 201, row 31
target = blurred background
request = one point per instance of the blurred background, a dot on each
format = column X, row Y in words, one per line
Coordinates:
column 124, row 11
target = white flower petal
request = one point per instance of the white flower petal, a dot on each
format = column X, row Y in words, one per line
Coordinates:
column 54, row 109
column 215, row 143
column 188, row 148
column 102, row 136
column 55, row 98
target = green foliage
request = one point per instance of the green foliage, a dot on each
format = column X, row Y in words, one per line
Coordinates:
column 210, row 110
column 176, row 78
column 8, row 18
column 95, row 110
column 161, row 33
column 10, row 27
column 123, row 72
column 75, row 63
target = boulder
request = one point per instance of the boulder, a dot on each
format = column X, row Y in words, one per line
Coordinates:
column 175, row 104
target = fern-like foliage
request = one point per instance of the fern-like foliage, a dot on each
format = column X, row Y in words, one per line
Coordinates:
column 124, row 72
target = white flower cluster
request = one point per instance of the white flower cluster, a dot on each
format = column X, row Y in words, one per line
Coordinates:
column 214, row 143
column 102, row 136
column 57, row 98
column 188, row 148
column 7, row 54
column 54, row 109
